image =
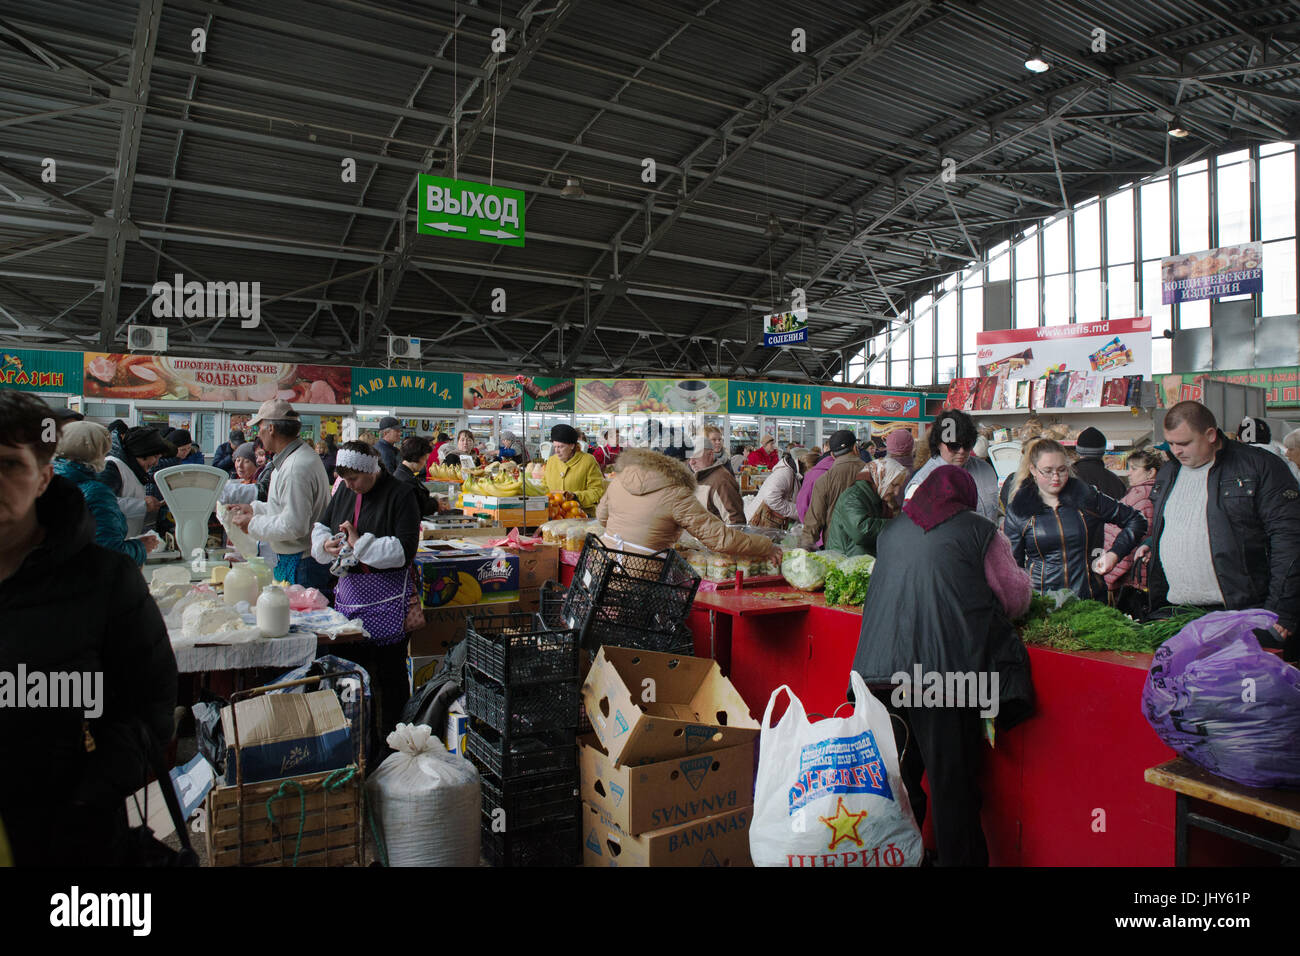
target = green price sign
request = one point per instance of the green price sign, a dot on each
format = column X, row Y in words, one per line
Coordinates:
column 460, row 209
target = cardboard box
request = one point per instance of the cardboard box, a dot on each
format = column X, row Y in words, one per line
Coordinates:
column 457, row 729
column 538, row 566
column 450, row 578
column 687, row 707
column 446, row 627
column 657, row 795
column 421, row 667
column 718, row 840
column 445, row 534
column 283, row 735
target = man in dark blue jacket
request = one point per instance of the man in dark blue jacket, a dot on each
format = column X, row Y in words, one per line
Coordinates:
column 225, row 456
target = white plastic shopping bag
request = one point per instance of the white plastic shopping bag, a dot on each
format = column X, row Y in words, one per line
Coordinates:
column 830, row 793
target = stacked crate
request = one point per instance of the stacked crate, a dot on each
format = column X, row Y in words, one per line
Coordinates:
column 630, row 600
column 522, row 693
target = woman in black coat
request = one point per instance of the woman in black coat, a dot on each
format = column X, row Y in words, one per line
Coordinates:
column 380, row 521
column 413, row 456
column 1056, row 524
column 71, row 607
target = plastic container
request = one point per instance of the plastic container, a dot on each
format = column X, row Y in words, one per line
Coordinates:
column 549, row 845
column 273, row 611
column 265, row 576
column 542, row 753
column 526, row 709
column 240, row 585
column 514, row 648
column 629, row 600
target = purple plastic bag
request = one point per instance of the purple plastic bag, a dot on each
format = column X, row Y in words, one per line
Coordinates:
column 1223, row 702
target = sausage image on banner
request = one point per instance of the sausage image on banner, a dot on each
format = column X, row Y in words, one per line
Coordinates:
column 124, row 376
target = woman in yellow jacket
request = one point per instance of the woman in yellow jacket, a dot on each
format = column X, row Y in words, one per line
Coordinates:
column 571, row 471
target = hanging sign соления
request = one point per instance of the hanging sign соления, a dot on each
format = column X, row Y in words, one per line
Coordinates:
column 785, row 328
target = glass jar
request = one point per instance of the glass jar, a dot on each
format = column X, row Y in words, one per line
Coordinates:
column 273, row 612
column 240, row 585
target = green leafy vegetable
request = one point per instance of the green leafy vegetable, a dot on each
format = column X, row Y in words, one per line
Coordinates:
column 847, row 582
column 1093, row 626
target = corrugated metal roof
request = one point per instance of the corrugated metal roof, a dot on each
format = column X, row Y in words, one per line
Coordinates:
column 239, row 162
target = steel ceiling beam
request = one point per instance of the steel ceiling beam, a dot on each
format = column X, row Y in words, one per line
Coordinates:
column 503, row 80
column 908, row 14
column 128, row 154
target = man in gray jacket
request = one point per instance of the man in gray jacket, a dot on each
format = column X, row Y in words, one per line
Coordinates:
column 297, row 497
column 952, row 436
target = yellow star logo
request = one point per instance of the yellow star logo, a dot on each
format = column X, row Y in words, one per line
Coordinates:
column 844, row 825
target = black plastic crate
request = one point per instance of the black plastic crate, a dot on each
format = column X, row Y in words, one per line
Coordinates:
column 625, row 627
column 522, row 709
column 516, row 648
column 551, row 604
column 627, row 599
column 549, row 845
column 543, row 753
column 529, row 801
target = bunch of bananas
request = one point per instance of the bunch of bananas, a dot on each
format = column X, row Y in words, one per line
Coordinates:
column 444, row 473
column 499, row 481
column 494, row 488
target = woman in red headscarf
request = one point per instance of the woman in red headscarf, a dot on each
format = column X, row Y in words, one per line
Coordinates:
column 943, row 592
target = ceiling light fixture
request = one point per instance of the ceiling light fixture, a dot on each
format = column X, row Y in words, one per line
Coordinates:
column 1177, row 130
column 572, row 189
column 1034, row 61
column 774, row 228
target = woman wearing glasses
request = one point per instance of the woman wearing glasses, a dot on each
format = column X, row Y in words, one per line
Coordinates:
column 1056, row 524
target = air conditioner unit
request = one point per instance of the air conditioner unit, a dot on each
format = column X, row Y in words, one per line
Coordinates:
column 146, row 338
column 402, row 347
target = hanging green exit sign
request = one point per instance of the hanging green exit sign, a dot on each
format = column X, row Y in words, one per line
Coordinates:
column 460, row 209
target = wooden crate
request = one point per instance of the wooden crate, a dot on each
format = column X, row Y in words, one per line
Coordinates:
column 332, row 834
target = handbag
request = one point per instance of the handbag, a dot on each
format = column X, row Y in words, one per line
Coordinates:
column 142, row 847
column 386, row 602
column 1132, row 599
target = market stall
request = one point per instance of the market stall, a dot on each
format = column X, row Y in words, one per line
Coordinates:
column 1086, row 747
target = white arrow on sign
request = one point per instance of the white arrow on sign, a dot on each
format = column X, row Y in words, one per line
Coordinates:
column 498, row 233
column 446, row 227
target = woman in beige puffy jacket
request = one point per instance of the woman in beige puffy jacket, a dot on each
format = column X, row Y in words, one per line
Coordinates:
column 651, row 501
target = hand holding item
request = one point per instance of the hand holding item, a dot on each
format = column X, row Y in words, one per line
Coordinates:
column 351, row 532
column 1104, row 563
column 570, row 496
column 151, row 504
column 150, row 542
column 1282, row 631
column 335, row 544
column 240, row 516
column 1141, row 552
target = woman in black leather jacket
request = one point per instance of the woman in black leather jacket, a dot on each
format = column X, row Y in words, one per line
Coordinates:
column 1056, row 525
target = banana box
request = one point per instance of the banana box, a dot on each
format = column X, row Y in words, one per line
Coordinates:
column 507, row 512
column 460, row 578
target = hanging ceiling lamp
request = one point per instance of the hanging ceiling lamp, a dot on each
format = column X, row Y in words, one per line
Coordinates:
column 1034, row 61
column 774, row 228
column 572, row 188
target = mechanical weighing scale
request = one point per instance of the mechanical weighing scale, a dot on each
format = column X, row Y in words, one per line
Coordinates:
column 191, row 492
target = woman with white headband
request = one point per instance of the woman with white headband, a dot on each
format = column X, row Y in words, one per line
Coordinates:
column 379, row 521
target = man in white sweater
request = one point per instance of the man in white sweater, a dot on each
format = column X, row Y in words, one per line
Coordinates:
column 297, row 497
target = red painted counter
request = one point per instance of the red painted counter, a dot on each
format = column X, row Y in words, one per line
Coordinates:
column 1049, row 785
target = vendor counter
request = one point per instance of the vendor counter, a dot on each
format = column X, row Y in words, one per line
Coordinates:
column 1064, row 788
